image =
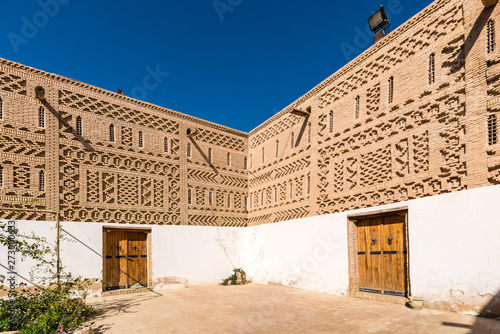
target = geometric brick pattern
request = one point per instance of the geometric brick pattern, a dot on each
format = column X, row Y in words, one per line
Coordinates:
column 375, row 167
column 104, row 108
column 358, row 147
column 220, row 140
column 12, row 83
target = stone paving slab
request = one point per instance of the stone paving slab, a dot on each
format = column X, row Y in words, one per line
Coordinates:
column 259, row 308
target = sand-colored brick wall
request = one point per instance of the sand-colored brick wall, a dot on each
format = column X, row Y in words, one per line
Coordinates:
column 140, row 174
column 383, row 129
column 371, row 146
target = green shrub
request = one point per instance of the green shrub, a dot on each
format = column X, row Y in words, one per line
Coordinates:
column 234, row 277
column 45, row 312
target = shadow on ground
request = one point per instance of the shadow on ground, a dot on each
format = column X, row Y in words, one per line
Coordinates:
column 490, row 312
column 107, row 309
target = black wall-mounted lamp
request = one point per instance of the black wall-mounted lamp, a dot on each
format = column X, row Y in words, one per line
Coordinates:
column 192, row 133
column 302, row 113
column 40, row 93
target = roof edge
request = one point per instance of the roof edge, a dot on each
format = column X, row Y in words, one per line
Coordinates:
column 433, row 7
column 128, row 99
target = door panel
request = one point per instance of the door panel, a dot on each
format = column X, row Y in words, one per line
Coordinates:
column 111, row 262
column 137, row 258
column 362, row 256
column 374, row 257
column 121, row 239
column 394, row 255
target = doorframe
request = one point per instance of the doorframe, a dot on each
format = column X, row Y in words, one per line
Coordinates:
column 352, row 245
column 149, row 245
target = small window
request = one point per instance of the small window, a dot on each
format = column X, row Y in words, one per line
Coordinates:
column 112, row 133
column 492, row 130
column 1, row 176
column 210, row 199
column 245, row 202
column 42, row 180
column 165, row 145
column 432, row 69
column 391, row 90
column 210, row 155
column 277, row 148
column 251, row 161
column 228, row 159
column 1, row 109
column 79, row 130
column 356, row 107
column 188, row 149
column 292, row 140
column 41, row 117
column 275, row 194
column 263, row 155
column 308, row 185
column 245, row 163
column 141, row 140
column 190, row 199
column 331, row 121
column 291, row 190
column 228, row 200
column 309, row 133
column 262, row 198
column 491, row 36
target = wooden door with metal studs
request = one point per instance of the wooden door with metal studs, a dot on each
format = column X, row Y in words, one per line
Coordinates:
column 126, row 259
column 382, row 255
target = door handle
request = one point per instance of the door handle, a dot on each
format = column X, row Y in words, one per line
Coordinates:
column 389, row 240
column 135, row 247
column 374, row 240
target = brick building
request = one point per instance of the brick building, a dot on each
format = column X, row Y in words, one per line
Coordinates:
column 413, row 117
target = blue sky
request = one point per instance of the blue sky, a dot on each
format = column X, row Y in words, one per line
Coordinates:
column 232, row 62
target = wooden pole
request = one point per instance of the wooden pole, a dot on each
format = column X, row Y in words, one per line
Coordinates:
column 58, row 232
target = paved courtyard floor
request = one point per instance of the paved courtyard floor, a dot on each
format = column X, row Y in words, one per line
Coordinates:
column 257, row 308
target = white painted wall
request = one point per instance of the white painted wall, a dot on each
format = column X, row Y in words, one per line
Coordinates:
column 309, row 253
column 454, row 247
column 193, row 255
column 188, row 255
column 24, row 266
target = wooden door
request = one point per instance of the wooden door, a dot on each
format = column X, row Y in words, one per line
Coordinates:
column 137, row 258
column 382, row 255
column 125, row 259
column 394, row 256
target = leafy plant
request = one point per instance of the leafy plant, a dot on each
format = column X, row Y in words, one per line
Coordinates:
column 234, row 277
column 43, row 311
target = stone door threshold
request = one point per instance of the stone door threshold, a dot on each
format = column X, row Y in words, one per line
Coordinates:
column 380, row 297
column 125, row 291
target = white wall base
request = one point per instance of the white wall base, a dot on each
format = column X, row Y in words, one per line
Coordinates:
column 454, row 251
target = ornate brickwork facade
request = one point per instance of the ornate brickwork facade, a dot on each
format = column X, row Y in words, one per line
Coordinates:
column 104, row 157
column 406, row 119
column 413, row 116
